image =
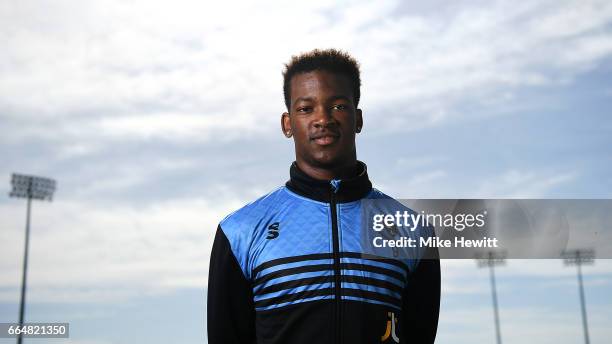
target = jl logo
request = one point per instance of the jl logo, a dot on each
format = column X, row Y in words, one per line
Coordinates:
column 390, row 331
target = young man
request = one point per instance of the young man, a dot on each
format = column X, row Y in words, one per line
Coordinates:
column 288, row 267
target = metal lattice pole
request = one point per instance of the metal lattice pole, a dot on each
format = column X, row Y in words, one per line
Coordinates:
column 578, row 258
column 29, row 187
column 491, row 259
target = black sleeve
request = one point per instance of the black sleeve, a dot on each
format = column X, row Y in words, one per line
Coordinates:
column 421, row 301
column 231, row 312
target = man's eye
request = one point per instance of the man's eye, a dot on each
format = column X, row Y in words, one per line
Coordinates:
column 303, row 109
column 340, row 107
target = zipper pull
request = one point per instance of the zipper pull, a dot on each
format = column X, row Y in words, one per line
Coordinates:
column 335, row 184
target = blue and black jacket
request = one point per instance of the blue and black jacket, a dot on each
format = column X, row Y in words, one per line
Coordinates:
column 288, row 268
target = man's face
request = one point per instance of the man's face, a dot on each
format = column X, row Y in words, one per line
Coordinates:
column 323, row 120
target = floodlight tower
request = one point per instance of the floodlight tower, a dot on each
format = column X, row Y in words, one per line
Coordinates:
column 30, row 187
column 578, row 258
column 491, row 259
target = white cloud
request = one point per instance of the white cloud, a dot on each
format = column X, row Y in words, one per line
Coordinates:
column 116, row 66
column 190, row 128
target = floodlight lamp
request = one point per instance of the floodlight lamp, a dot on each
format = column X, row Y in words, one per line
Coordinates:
column 26, row 186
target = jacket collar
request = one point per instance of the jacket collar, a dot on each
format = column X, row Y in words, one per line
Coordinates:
column 344, row 190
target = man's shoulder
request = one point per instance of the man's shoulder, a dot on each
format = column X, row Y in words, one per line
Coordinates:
column 380, row 199
column 254, row 210
column 377, row 194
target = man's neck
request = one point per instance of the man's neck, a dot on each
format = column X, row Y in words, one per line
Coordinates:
column 324, row 173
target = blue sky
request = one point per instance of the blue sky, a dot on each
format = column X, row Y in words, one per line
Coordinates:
column 157, row 120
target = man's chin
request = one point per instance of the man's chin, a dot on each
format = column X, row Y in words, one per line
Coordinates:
column 328, row 161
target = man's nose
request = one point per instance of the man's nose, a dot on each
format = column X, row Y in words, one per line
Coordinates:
column 323, row 118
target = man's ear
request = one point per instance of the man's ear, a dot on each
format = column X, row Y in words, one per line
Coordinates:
column 358, row 121
column 286, row 125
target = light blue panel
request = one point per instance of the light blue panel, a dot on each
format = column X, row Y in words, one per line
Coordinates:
column 303, row 226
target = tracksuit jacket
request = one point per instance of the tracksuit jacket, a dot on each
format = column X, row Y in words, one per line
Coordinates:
column 288, row 268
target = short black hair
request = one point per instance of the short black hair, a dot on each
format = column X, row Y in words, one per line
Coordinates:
column 330, row 60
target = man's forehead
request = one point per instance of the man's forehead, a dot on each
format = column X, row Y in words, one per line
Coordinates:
column 320, row 80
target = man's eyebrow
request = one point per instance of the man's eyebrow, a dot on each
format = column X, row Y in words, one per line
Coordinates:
column 303, row 99
column 331, row 99
column 340, row 97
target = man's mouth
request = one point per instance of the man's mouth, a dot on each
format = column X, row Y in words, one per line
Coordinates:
column 325, row 139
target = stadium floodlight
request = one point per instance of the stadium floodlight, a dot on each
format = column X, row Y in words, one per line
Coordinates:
column 491, row 259
column 579, row 258
column 30, row 187
column 25, row 186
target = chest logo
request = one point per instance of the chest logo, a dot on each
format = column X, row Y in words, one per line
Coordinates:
column 273, row 231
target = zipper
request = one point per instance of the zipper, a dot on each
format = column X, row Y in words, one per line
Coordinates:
column 336, row 255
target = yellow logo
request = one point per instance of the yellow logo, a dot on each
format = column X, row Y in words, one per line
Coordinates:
column 390, row 331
